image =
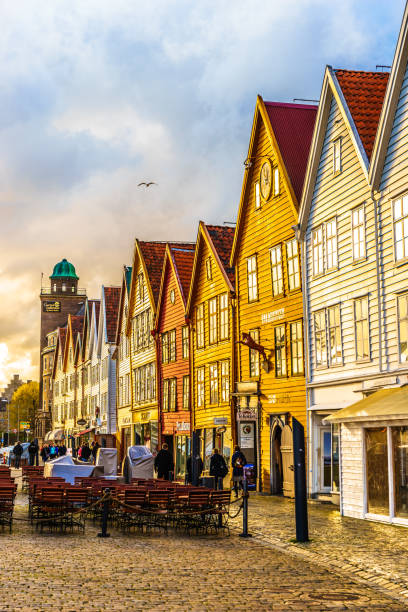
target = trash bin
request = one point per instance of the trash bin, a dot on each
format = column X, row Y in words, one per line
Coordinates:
column 207, row 481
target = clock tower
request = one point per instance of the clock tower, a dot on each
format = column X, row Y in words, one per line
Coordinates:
column 61, row 298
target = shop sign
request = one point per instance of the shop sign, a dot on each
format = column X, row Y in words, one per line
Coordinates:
column 126, row 420
column 247, row 435
column 183, row 426
column 247, row 414
column 145, row 416
column 51, row 306
column 283, row 398
column 272, row 315
column 221, row 421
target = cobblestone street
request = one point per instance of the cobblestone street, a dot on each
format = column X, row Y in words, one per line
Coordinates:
column 173, row 572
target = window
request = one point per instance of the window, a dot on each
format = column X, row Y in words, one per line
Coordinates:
column 358, row 233
column 145, row 383
column 257, row 195
column 292, row 257
column 140, row 286
column 173, row 394
column 276, row 270
column 276, row 181
column 252, row 279
column 317, row 245
column 200, row 326
column 186, row 392
column 120, row 391
column 225, row 380
column 361, row 329
column 403, row 327
column 165, row 347
column 400, row 212
column 126, row 389
column 331, row 244
column 208, row 267
column 320, row 338
column 166, row 395
column 213, row 369
column 296, row 348
column 254, row 355
column 280, row 351
column 200, row 387
column 212, row 320
column 337, row 156
column 126, row 346
column 224, row 319
column 185, row 342
column 335, row 351
column 172, row 345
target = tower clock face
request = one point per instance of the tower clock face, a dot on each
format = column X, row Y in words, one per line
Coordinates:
column 265, row 179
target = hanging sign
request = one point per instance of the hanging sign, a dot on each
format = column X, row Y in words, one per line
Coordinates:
column 247, row 435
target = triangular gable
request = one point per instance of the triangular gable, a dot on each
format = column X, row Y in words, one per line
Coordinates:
column 124, row 295
column 179, row 261
column 391, row 99
column 289, row 128
column 87, row 325
column 59, row 348
column 109, row 315
column 93, row 331
column 364, row 92
column 213, row 235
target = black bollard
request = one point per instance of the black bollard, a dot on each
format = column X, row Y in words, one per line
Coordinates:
column 245, row 496
column 105, row 514
column 302, row 532
column 171, row 476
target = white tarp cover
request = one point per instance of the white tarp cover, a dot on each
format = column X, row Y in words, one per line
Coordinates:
column 141, row 461
column 108, row 458
column 67, row 469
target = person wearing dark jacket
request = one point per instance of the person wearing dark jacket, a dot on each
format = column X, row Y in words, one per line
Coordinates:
column 218, row 467
column 94, row 450
column 62, row 450
column 189, row 468
column 45, row 452
column 85, row 452
column 33, row 452
column 238, row 460
column 163, row 462
column 17, row 452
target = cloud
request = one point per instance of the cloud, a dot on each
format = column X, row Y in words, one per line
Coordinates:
column 97, row 96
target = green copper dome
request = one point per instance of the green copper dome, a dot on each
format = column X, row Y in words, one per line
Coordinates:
column 64, row 269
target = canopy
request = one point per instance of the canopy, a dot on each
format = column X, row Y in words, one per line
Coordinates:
column 55, row 434
column 85, row 431
column 383, row 405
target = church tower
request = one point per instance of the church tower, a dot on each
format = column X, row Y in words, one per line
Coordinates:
column 61, row 298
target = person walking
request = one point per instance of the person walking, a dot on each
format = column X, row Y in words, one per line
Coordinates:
column 17, row 452
column 85, row 452
column 218, row 467
column 163, row 462
column 238, row 460
column 53, row 451
column 33, row 452
column 94, row 450
column 45, row 452
column 62, row 450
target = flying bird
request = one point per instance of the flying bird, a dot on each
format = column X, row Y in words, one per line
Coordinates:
column 147, row 184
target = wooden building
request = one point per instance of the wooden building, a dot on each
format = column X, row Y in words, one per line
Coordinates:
column 270, row 387
column 340, row 242
column 172, row 336
column 209, row 310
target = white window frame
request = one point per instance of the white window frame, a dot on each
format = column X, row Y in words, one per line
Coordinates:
column 317, row 250
column 293, row 264
column 224, row 368
column 275, row 255
column 281, row 349
column 322, row 335
column 223, row 317
column 358, row 247
column 200, row 387
column 254, row 355
column 296, row 349
column 401, row 221
column 200, row 325
column 252, row 278
column 331, row 250
column 213, row 320
column 185, row 342
column 338, row 361
column 213, row 382
column 400, row 297
column 186, row 392
column 358, row 324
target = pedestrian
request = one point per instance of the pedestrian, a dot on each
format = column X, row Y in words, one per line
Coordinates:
column 45, row 452
column 163, row 462
column 94, row 450
column 238, row 460
column 62, row 450
column 189, row 467
column 53, row 451
column 85, row 452
column 17, row 452
column 218, row 467
column 33, row 452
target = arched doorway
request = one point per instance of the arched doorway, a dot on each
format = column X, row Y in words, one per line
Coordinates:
column 282, row 474
column 276, row 459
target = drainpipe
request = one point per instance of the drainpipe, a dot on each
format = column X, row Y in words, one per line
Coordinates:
column 233, row 302
column 378, row 275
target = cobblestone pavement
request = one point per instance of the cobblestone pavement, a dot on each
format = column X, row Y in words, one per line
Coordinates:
column 173, row 572
column 372, row 553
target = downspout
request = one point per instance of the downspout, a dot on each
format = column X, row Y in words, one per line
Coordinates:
column 158, row 389
column 233, row 302
column 378, row 274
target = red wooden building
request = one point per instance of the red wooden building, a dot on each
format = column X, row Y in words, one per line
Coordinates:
column 173, row 353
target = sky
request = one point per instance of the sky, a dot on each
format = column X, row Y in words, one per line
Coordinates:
column 98, row 96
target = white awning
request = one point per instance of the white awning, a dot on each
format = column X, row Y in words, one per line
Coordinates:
column 55, row 434
column 383, row 405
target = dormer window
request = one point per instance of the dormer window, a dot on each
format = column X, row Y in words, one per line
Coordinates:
column 337, row 156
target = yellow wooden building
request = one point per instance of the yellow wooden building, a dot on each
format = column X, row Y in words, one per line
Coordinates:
column 210, row 313
column 270, row 386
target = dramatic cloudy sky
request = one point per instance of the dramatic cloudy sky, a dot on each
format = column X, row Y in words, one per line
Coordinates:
column 96, row 96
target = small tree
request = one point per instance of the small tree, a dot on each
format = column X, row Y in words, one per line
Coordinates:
column 24, row 405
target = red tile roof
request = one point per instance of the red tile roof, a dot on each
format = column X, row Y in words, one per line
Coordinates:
column 364, row 93
column 222, row 238
column 112, row 298
column 62, row 337
column 183, row 257
column 293, row 126
column 77, row 322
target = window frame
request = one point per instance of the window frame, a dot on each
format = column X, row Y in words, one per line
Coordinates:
column 322, row 336
column 185, row 342
column 399, row 297
column 315, row 230
column 165, row 347
column 200, row 378
column 276, row 183
column 186, row 392
column 253, row 274
column 338, row 329
column 172, row 345
column 353, row 228
column 254, row 357
column 279, row 267
column 208, row 268
column 223, row 313
column 356, row 322
column 394, row 222
column 213, row 320
column 298, row 342
column 294, row 258
column 280, row 349
column 214, row 383
column 200, row 325
column 333, row 240
column 225, row 382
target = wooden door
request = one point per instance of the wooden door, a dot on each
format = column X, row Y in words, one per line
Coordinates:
column 287, row 462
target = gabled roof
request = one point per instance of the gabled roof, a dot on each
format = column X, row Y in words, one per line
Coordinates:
column 180, row 260
column 358, row 96
column 125, row 290
column 364, row 94
column 90, row 304
column 219, row 240
column 111, row 309
column 386, row 120
column 59, row 347
column 290, row 129
column 128, row 277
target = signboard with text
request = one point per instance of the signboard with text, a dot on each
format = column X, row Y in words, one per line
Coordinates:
column 53, row 306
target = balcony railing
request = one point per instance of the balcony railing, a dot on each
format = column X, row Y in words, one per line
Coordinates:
column 49, row 291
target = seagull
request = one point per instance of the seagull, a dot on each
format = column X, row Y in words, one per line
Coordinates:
column 147, row 184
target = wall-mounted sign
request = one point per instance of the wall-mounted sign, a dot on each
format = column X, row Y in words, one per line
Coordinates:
column 145, row 416
column 247, row 435
column 221, row 421
column 51, row 306
column 272, row 315
column 24, row 425
column 282, row 398
column 246, row 414
column 125, row 420
column 182, row 426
